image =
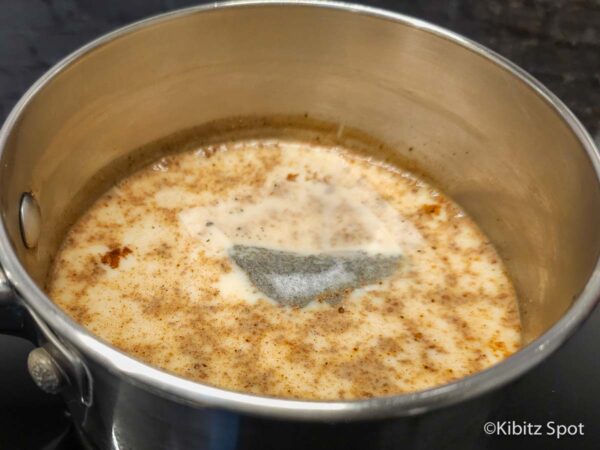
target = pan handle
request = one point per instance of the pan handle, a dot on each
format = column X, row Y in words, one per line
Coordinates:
column 14, row 318
column 53, row 366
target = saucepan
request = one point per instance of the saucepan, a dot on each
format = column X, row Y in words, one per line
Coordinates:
column 499, row 143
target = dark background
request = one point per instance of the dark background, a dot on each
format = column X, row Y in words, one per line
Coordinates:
column 558, row 41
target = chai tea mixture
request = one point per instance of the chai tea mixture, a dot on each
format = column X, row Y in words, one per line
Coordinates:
column 289, row 269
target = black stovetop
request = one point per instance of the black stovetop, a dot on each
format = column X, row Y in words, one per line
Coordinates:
column 558, row 41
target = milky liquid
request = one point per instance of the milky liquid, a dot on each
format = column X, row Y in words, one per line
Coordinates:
column 149, row 268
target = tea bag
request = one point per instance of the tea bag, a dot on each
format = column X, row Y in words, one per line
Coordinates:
column 294, row 279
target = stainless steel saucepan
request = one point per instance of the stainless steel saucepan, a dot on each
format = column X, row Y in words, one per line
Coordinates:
column 496, row 140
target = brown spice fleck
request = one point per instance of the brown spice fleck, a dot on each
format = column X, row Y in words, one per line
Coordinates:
column 113, row 257
column 292, row 176
column 499, row 346
column 432, row 209
column 341, row 310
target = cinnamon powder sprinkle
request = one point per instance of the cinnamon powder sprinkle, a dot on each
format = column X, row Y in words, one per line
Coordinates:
column 181, row 302
column 431, row 209
column 113, row 257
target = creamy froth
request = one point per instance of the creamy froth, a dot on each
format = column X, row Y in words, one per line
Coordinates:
column 175, row 292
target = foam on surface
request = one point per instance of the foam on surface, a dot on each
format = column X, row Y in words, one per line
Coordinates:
column 440, row 305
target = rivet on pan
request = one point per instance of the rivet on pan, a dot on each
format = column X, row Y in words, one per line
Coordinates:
column 44, row 371
column 30, row 219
